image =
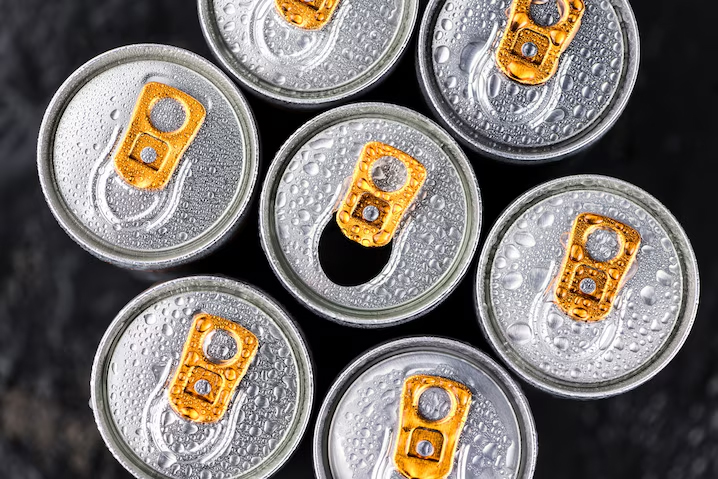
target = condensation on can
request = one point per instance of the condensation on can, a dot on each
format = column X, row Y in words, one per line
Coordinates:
column 358, row 434
column 516, row 289
column 205, row 197
column 505, row 119
column 433, row 245
column 139, row 354
column 358, row 45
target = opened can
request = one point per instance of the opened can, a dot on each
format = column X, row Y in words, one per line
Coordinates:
column 148, row 156
column 202, row 377
column 308, row 53
column 587, row 286
column 424, row 407
column 528, row 80
column 370, row 214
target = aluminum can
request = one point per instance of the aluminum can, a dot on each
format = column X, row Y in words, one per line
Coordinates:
column 202, row 377
column 394, row 164
column 587, row 287
column 528, row 80
column 424, row 407
column 308, row 53
column 148, row 156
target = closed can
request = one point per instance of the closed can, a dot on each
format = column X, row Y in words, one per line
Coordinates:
column 370, row 184
column 202, row 377
column 308, row 53
column 148, row 156
column 424, row 407
column 528, row 80
column 587, row 286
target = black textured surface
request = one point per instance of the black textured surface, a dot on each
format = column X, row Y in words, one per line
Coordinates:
column 56, row 300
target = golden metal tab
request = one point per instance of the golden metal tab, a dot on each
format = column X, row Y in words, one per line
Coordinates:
column 529, row 53
column 208, row 403
column 307, row 14
column 578, row 265
column 437, row 460
column 363, row 193
column 168, row 146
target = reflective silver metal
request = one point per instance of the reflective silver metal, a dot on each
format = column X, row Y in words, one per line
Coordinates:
column 267, row 416
column 650, row 318
column 433, row 246
column 358, row 46
column 356, row 431
column 504, row 119
column 206, row 197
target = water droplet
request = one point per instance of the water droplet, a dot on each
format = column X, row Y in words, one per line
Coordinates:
column 150, row 318
column 607, row 336
column 519, row 333
column 115, row 114
column 648, row 295
column 525, row 239
column 555, row 116
column 437, row 202
column 512, row 281
column 494, row 86
column 167, row 330
column 561, row 343
column 539, row 277
column 663, row 277
column 311, row 168
column 229, row 9
column 442, row 54
column 545, row 220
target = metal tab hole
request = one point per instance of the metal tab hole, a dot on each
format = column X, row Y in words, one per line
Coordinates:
column 346, row 262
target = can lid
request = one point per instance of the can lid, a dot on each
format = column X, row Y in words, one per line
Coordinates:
column 538, row 86
column 424, row 407
column 148, row 156
column 587, row 286
column 308, row 53
column 394, row 183
column 202, row 377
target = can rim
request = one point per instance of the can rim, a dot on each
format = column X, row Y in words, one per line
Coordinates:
column 548, row 153
column 98, row 401
column 164, row 258
column 316, row 98
column 357, row 317
column 660, row 359
column 502, row 379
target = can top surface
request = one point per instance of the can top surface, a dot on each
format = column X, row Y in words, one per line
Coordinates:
column 356, row 46
column 134, row 372
column 505, row 119
column 358, row 433
column 88, row 123
column 433, row 244
column 520, row 273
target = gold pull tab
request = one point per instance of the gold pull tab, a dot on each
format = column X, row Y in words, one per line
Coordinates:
column 202, row 386
column 368, row 214
column 147, row 157
column 425, row 448
column 529, row 53
column 307, row 14
column 604, row 278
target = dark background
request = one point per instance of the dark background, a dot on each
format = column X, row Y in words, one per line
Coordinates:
column 56, row 300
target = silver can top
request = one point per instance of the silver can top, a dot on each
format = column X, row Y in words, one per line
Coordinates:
column 202, row 378
column 587, row 286
column 424, row 407
column 148, row 156
column 324, row 164
column 324, row 52
column 462, row 47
